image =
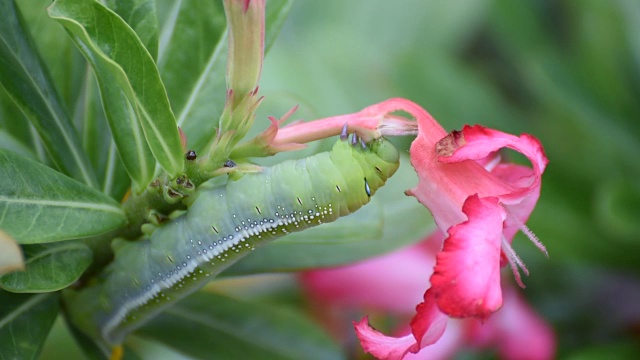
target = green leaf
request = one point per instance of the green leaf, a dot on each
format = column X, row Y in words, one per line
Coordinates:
column 25, row 322
column 97, row 140
column 195, row 80
column 28, row 83
column 38, row 204
column 208, row 325
column 14, row 123
column 8, row 142
column 392, row 220
column 130, row 84
column 141, row 16
column 56, row 50
column 49, row 267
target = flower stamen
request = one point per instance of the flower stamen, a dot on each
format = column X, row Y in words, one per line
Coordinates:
column 528, row 232
column 514, row 261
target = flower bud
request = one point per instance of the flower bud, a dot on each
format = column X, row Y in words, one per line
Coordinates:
column 246, row 21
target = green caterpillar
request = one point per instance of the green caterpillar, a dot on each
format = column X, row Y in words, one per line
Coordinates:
column 224, row 223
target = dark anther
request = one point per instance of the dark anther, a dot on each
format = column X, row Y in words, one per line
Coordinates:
column 364, row 144
column 191, row 155
column 354, row 139
column 230, row 164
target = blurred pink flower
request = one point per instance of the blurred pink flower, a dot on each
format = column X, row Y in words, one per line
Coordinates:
column 394, row 283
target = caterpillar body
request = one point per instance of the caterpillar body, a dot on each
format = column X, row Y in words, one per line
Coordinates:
column 222, row 224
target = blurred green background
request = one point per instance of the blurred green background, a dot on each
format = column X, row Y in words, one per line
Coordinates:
column 567, row 72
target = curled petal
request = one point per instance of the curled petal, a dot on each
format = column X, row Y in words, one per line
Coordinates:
column 381, row 346
column 427, row 327
column 477, row 142
column 466, row 279
column 429, row 323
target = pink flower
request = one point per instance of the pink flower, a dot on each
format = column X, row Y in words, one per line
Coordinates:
column 480, row 203
column 394, row 283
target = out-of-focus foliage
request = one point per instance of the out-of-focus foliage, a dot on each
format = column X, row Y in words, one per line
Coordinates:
column 567, row 72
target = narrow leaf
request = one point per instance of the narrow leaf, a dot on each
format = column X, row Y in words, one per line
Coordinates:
column 29, row 85
column 8, row 142
column 49, row 267
column 196, row 83
column 208, row 325
column 98, row 142
column 38, row 204
column 11, row 256
column 141, row 16
column 25, row 322
column 13, row 121
column 130, row 86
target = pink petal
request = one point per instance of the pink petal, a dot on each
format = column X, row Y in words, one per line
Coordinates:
column 516, row 330
column 381, row 346
column 429, row 323
column 446, row 347
column 466, row 279
column 393, row 282
column 427, row 327
column 478, row 142
column 444, row 185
